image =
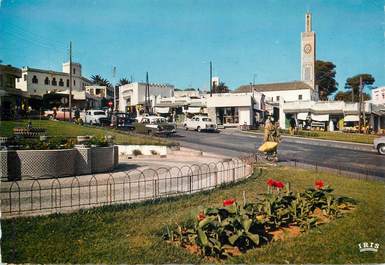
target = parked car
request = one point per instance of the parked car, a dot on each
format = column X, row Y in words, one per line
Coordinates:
column 154, row 125
column 94, row 116
column 122, row 121
column 200, row 123
column 62, row 114
column 379, row 144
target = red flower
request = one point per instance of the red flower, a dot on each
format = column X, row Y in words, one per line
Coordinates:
column 275, row 183
column 279, row 184
column 270, row 182
column 319, row 184
column 201, row 216
column 228, row 202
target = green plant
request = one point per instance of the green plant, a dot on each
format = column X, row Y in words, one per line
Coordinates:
column 153, row 152
column 234, row 228
column 221, row 232
column 136, row 152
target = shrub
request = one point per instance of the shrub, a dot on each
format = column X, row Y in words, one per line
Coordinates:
column 136, row 152
column 153, row 152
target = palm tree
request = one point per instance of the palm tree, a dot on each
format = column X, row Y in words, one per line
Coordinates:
column 123, row 81
column 100, row 81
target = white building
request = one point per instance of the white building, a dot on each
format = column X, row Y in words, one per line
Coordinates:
column 132, row 96
column 378, row 95
column 234, row 109
column 326, row 115
column 98, row 91
column 39, row 82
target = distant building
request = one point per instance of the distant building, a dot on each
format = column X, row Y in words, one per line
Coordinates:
column 12, row 99
column 278, row 93
column 132, row 96
column 98, row 91
column 378, row 95
column 39, row 82
column 215, row 81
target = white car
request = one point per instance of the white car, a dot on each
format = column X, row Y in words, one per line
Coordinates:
column 93, row 116
column 200, row 123
column 379, row 144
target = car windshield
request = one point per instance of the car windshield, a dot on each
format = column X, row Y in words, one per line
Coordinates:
column 99, row 113
column 206, row 119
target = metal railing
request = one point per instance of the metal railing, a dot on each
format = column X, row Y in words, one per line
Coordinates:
column 51, row 194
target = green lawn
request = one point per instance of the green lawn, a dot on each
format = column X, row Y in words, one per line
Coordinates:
column 59, row 128
column 132, row 234
column 335, row 136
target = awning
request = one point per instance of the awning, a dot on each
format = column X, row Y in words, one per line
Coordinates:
column 351, row 118
column 194, row 110
column 302, row 116
column 162, row 109
column 322, row 117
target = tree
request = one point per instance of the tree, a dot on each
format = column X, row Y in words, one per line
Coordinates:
column 352, row 86
column 123, row 81
column 325, row 78
column 100, row 81
column 220, row 88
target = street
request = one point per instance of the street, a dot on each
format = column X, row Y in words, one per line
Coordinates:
column 235, row 144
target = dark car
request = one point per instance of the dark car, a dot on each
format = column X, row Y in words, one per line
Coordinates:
column 154, row 125
column 122, row 120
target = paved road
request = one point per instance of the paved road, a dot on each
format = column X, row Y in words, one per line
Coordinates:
column 235, row 144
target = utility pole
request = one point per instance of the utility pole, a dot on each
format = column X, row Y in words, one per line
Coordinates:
column 359, row 105
column 70, row 95
column 147, row 94
column 113, row 86
column 211, row 79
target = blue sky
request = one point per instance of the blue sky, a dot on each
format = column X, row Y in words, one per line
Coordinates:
column 174, row 40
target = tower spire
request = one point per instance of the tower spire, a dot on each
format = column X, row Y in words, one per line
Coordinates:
column 308, row 22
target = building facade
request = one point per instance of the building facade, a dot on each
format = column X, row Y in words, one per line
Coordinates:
column 378, row 95
column 12, row 99
column 132, row 96
column 39, row 82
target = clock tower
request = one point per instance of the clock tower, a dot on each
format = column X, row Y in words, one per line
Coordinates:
column 308, row 50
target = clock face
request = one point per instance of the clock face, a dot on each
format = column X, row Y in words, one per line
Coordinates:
column 307, row 48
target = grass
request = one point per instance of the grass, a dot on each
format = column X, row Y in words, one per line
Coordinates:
column 132, row 233
column 65, row 129
column 335, row 136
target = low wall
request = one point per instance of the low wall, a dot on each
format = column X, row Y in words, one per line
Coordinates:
column 57, row 163
column 144, row 149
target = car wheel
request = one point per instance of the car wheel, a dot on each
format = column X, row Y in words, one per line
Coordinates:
column 50, row 117
column 185, row 127
column 199, row 129
column 381, row 149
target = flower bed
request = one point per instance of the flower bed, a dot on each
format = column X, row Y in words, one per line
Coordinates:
column 275, row 215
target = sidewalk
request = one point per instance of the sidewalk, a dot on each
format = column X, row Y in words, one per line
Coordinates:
column 310, row 141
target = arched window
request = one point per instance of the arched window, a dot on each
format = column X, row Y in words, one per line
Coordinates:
column 68, row 82
column 54, row 83
column 61, row 83
column 34, row 79
column 46, row 81
column 74, row 83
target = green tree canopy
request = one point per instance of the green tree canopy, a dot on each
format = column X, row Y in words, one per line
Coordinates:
column 352, row 87
column 221, row 88
column 325, row 78
column 123, row 81
column 100, row 81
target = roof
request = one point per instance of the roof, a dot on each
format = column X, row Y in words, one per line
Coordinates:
column 11, row 70
column 294, row 85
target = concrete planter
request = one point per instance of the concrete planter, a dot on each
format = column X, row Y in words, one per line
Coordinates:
column 37, row 163
column 57, row 163
column 127, row 150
